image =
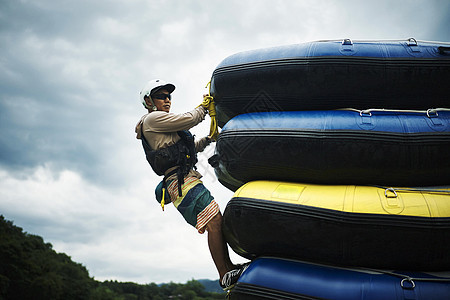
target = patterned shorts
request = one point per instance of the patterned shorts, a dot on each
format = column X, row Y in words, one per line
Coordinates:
column 196, row 204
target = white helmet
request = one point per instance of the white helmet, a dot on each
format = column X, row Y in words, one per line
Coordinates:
column 152, row 87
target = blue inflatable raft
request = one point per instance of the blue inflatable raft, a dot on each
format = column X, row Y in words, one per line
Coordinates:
column 389, row 148
column 328, row 75
column 274, row 278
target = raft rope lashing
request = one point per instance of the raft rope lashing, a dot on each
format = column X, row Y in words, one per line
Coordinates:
column 392, row 192
column 430, row 113
column 406, row 278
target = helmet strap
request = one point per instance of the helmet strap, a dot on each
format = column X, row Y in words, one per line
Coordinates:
column 153, row 107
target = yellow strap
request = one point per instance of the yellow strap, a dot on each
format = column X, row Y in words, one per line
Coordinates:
column 163, row 197
column 208, row 103
column 208, row 85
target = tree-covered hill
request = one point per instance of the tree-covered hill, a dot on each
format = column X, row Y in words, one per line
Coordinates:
column 31, row 269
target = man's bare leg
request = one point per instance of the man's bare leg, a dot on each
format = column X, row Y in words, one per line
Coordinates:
column 218, row 247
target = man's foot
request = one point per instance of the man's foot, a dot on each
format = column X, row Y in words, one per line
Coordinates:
column 231, row 277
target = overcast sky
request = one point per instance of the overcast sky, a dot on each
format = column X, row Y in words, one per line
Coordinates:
column 71, row 169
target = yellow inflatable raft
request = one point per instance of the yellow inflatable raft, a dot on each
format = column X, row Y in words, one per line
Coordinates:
column 377, row 227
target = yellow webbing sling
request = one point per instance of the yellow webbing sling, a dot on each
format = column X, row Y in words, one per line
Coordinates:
column 208, row 103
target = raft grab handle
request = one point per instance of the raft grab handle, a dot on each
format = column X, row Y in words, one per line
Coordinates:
column 390, row 190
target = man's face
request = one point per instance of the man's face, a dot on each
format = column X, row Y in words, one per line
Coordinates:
column 162, row 100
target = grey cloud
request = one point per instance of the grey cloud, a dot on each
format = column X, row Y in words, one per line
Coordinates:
column 68, row 68
column 71, row 71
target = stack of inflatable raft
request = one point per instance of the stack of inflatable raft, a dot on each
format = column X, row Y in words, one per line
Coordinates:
column 339, row 153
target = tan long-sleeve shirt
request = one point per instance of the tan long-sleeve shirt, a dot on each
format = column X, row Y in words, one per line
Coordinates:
column 160, row 129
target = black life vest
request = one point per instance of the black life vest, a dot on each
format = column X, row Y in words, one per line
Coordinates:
column 181, row 154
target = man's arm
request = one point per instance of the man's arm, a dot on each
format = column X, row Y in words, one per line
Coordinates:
column 159, row 121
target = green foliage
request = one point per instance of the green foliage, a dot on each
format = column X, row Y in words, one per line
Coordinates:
column 31, row 269
column 192, row 290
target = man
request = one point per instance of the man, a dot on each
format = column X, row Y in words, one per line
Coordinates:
column 171, row 151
